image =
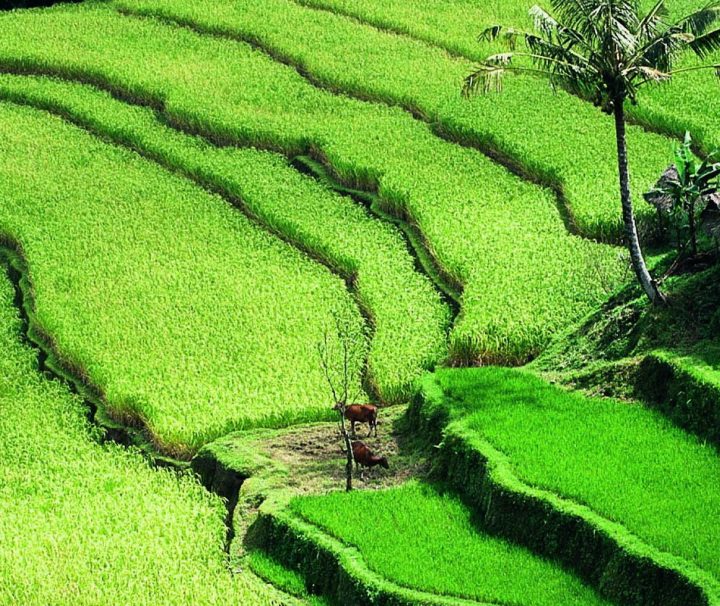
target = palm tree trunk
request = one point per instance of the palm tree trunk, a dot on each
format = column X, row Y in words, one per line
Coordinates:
column 633, row 242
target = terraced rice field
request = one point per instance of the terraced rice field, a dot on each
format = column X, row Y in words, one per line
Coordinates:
column 435, row 546
column 194, row 194
column 558, row 441
column 402, row 304
column 445, row 189
column 84, row 523
column 399, row 70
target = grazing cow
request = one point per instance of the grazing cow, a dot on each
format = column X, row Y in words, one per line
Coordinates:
column 361, row 413
column 365, row 458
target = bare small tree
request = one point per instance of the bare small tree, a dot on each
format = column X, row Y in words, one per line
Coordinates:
column 337, row 355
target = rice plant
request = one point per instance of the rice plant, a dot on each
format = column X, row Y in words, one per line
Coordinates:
column 550, row 136
column 87, row 524
column 623, row 461
column 409, row 319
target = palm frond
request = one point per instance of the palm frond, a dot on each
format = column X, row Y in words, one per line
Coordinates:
column 700, row 21
column 547, row 26
column 507, row 35
column 550, row 56
column 485, row 79
column 651, row 74
column 490, row 34
column 499, row 59
column 577, row 15
column 543, row 21
column 706, row 44
column 661, row 51
column 649, row 24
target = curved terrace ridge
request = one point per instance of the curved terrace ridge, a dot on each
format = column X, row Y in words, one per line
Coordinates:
column 63, row 108
column 496, row 155
column 480, row 336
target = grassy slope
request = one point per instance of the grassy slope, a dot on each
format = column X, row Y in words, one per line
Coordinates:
column 627, row 333
column 409, row 319
column 174, row 304
column 553, row 136
column 474, row 214
column 421, row 538
column 88, row 524
column 625, row 462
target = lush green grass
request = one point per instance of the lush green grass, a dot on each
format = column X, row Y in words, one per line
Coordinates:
column 525, row 278
column 667, row 356
column 424, row 539
column 288, row 580
column 88, row 524
column 684, row 104
column 625, row 462
column 553, row 136
column 409, row 319
column 183, row 313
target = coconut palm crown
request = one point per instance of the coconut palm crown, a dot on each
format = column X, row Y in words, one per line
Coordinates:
column 603, row 51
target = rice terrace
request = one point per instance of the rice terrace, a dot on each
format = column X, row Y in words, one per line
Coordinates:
column 360, row 302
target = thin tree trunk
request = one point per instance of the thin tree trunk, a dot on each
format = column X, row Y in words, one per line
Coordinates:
column 633, row 242
column 348, row 453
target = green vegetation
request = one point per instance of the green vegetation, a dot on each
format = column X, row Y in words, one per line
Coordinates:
column 195, row 194
column 604, row 52
column 421, row 538
column 553, row 137
column 455, row 24
column 84, row 523
column 499, row 236
column 683, row 104
column 685, row 193
column 179, row 310
column 667, row 357
column 288, row 580
column 624, row 462
column 408, row 317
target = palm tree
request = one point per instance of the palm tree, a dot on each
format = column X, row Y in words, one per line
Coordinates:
column 603, row 51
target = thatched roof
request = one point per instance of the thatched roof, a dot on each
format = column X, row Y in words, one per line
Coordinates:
column 658, row 196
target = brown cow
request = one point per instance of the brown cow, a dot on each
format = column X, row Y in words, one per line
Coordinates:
column 361, row 413
column 364, row 457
